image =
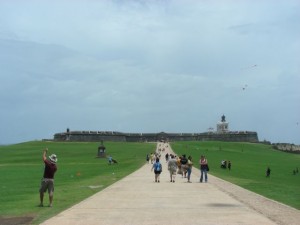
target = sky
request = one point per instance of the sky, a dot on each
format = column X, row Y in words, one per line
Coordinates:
column 149, row 66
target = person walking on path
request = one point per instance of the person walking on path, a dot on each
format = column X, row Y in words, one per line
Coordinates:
column 183, row 162
column 189, row 168
column 48, row 177
column 157, row 169
column 152, row 157
column 203, row 168
column 167, row 157
column 172, row 167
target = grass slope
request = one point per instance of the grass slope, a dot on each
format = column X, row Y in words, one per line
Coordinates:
column 249, row 163
column 80, row 174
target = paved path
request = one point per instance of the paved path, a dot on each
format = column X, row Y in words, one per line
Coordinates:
column 138, row 200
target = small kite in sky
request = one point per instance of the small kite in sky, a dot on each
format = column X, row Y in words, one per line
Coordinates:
column 250, row 67
column 244, row 88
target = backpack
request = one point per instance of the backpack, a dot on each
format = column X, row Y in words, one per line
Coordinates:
column 157, row 166
column 183, row 161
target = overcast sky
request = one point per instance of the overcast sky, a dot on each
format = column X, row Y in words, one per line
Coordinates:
column 149, row 66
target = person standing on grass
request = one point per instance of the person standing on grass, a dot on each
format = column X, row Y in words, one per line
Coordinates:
column 172, row 167
column 268, row 172
column 203, row 168
column 157, row 169
column 229, row 165
column 48, row 177
column 109, row 158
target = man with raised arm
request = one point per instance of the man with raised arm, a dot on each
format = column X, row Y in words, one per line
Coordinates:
column 48, row 177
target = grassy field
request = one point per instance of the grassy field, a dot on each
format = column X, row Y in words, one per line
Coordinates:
column 80, row 174
column 249, row 164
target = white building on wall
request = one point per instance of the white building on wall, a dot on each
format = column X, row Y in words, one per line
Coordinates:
column 222, row 126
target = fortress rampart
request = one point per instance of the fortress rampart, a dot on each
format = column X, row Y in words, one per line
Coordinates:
column 90, row 136
column 285, row 147
column 222, row 134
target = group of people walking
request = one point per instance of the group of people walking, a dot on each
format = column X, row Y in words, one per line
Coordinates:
column 179, row 165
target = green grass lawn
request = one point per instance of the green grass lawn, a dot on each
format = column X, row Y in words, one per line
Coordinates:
column 249, row 164
column 80, row 174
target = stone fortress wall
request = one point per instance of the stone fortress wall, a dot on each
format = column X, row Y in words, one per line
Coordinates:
column 285, row 147
column 222, row 134
column 89, row 136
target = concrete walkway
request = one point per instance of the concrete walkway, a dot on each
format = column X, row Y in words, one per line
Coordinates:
column 138, row 200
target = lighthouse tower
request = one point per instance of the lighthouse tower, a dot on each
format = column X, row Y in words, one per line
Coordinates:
column 222, row 126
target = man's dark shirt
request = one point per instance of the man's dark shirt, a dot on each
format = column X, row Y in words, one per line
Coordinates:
column 50, row 169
